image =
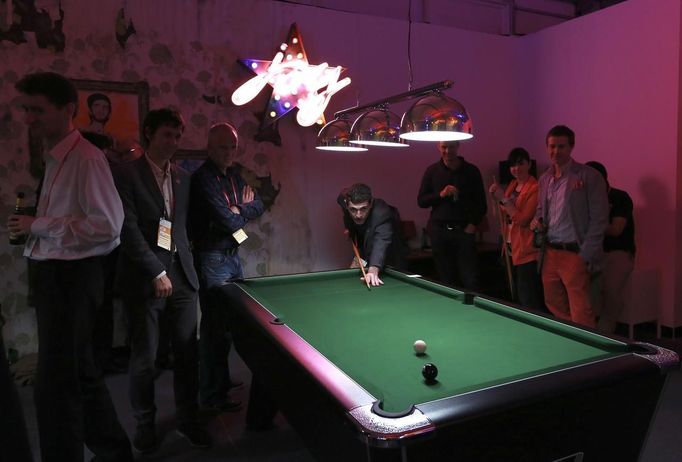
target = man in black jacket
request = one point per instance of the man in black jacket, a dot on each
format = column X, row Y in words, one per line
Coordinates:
column 374, row 226
column 156, row 275
column 453, row 189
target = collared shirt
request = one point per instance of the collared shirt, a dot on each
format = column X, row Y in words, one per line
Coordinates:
column 560, row 224
column 79, row 211
column 165, row 184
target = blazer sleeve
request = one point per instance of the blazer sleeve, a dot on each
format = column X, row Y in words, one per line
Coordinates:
column 133, row 242
column 598, row 213
column 540, row 209
column 381, row 242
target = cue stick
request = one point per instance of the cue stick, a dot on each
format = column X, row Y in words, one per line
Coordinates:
column 505, row 252
column 359, row 260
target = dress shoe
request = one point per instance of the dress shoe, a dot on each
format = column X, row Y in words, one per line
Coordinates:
column 145, row 440
column 197, row 436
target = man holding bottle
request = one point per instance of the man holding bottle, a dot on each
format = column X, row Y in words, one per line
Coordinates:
column 78, row 221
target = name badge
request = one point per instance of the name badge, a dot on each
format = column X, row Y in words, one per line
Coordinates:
column 163, row 238
column 240, row 236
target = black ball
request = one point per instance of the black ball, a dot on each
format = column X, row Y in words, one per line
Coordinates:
column 430, row 372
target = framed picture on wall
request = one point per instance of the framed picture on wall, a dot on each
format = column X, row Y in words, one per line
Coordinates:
column 113, row 111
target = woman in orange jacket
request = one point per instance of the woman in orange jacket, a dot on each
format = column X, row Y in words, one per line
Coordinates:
column 517, row 205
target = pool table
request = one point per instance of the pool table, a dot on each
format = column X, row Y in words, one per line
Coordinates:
column 338, row 360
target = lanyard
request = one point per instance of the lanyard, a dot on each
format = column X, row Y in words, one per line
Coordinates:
column 59, row 169
column 168, row 177
column 234, row 190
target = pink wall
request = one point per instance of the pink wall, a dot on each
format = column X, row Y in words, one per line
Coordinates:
column 614, row 78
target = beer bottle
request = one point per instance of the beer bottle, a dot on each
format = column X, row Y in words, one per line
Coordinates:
column 19, row 209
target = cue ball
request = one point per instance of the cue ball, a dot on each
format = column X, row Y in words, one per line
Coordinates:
column 430, row 372
column 420, row 347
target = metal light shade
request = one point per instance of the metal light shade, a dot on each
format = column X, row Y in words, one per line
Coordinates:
column 377, row 128
column 334, row 136
column 436, row 118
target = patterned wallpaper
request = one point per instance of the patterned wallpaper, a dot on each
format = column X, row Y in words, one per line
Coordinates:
column 196, row 79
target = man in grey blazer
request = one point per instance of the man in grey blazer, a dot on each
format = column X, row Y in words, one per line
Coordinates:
column 156, row 275
column 573, row 213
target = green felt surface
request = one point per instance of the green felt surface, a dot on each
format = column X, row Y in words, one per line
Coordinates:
column 369, row 334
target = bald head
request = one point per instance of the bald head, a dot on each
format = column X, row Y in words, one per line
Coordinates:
column 222, row 144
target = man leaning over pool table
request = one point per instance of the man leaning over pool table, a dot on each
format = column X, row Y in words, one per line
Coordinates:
column 374, row 227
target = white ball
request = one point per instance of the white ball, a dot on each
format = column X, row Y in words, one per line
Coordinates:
column 420, row 347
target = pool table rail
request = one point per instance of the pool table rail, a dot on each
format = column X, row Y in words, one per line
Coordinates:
column 666, row 360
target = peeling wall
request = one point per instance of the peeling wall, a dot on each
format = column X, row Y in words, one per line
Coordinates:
column 179, row 73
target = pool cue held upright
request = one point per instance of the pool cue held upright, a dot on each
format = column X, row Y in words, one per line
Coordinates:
column 359, row 260
column 505, row 249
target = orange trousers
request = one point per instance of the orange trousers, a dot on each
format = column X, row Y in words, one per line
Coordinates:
column 566, row 282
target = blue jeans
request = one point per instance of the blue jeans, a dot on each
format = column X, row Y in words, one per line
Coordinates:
column 215, row 269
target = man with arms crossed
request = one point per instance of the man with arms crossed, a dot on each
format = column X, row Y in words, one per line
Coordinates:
column 222, row 203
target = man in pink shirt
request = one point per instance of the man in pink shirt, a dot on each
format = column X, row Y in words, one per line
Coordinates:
column 78, row 222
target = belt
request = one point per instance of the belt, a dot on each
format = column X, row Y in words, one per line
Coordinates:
column 567, row 246
column 231, row 251
column 450, row 226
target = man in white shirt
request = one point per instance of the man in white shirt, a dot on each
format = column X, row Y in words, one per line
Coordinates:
column 78, row 222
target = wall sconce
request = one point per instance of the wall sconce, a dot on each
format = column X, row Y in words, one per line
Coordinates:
column 434, row 117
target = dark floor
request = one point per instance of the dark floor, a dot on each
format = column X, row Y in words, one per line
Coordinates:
column 232, row 442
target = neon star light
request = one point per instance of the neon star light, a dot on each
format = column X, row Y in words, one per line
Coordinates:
column 295, row 83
